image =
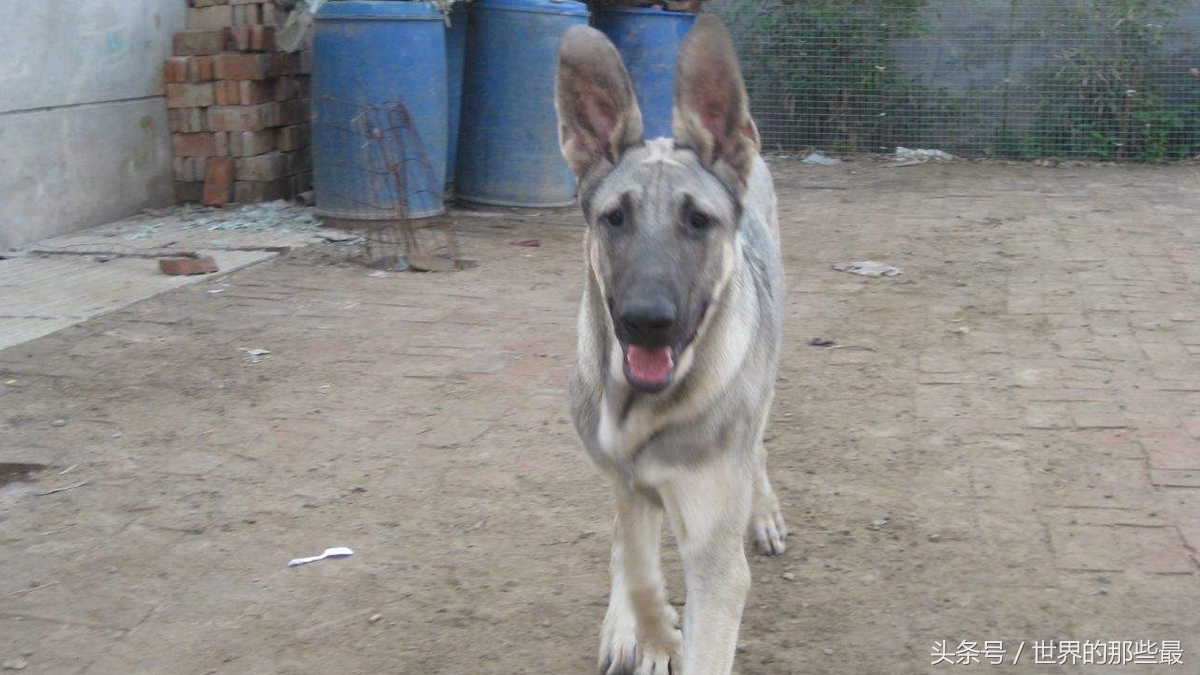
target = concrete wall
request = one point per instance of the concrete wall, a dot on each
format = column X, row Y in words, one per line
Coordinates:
column 83, row 128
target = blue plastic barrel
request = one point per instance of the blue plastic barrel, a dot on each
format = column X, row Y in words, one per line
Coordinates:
column 456, row 56
column 508, row 144
column 648, row 39
column 379, row 110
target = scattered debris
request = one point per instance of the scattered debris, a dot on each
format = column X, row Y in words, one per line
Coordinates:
column 80, row 484
column 819, row 159
column 375, row 618
column 278, row 216
column 914, row 156
column 878, row 523
column 255, row 355
column 867, row 268
column 335, row 552
column 15, row 664
column 68, row 470
column 790, row 576
column 830, row 344
column 59, row 423
column 30, row 590
column 183, row 266
column 532, row 243
column 146, row 231
column 18, row 471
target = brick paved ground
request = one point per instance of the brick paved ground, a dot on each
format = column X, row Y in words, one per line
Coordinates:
column 1018, row 458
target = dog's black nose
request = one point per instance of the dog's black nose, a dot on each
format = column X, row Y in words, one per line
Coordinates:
column 648, row 323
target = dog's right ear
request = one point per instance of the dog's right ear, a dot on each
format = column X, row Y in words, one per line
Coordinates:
column 598, row 115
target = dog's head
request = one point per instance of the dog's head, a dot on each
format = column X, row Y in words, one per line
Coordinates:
column 663, row 214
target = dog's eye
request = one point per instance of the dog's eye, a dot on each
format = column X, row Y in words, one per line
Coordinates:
column 613, row 218
column 699, row 221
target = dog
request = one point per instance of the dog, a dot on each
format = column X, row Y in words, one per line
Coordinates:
column 679, row 333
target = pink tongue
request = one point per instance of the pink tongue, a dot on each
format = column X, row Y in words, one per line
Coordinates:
column 652, row 365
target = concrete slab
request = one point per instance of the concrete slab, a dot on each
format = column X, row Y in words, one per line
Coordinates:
column 59, row 282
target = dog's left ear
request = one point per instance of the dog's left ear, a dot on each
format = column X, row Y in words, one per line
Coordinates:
column 598, row 115
column 712, row 113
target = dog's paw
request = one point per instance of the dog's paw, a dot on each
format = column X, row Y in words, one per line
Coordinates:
column 623, row 651
column 769, row 531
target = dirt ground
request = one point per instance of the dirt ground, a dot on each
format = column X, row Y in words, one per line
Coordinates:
column 1015, row 458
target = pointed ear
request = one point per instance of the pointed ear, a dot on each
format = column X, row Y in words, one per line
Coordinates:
column 598, row 115
column 712, row 113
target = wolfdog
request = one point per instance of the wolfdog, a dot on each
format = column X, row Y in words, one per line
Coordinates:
column 679, row 333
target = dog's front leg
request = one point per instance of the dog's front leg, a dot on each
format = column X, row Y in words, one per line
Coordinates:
column 709, row 508
column 641, row 630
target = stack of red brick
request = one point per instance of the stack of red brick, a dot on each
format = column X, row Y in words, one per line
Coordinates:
column 237, row 106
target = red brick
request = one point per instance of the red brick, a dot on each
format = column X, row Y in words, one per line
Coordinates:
column 290, row 86
column 175, row 69
column 261, row 168
column 247, row 192
column 248, row 143
column 196, row 120
column 301, row 182
column 294, row 111
column 189, row 95
column 186, row 266
column 243, row 66
column 200, row 68
column 297, row 162
column 293, row 137
column 247, row 15
column 216, row 17
column 199, row 144
column 226, row 92
column 237, row 38
column 262, row 38
column 243, row 117
column 218, row 181
column 197, row 42
column 271, row 15
column 189, row 168
column 253, row 92
column 285, row 63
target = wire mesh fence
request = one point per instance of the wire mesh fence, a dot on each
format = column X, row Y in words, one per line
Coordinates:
column 381, row 183
column 1099, row 79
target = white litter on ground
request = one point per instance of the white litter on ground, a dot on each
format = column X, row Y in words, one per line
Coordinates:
column 913, row 156
column 819, row 159
column 335, row 552
column 867, row 268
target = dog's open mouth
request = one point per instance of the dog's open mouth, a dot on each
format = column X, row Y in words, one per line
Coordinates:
column 650, row 368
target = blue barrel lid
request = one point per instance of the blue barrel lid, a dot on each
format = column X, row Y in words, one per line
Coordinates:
column 646, row 10
column 378, row 10
column 567, row 7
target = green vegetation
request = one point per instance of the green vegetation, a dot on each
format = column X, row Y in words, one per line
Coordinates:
column 1071, row 78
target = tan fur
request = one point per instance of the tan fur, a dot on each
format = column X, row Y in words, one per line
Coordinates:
column 692, row 453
